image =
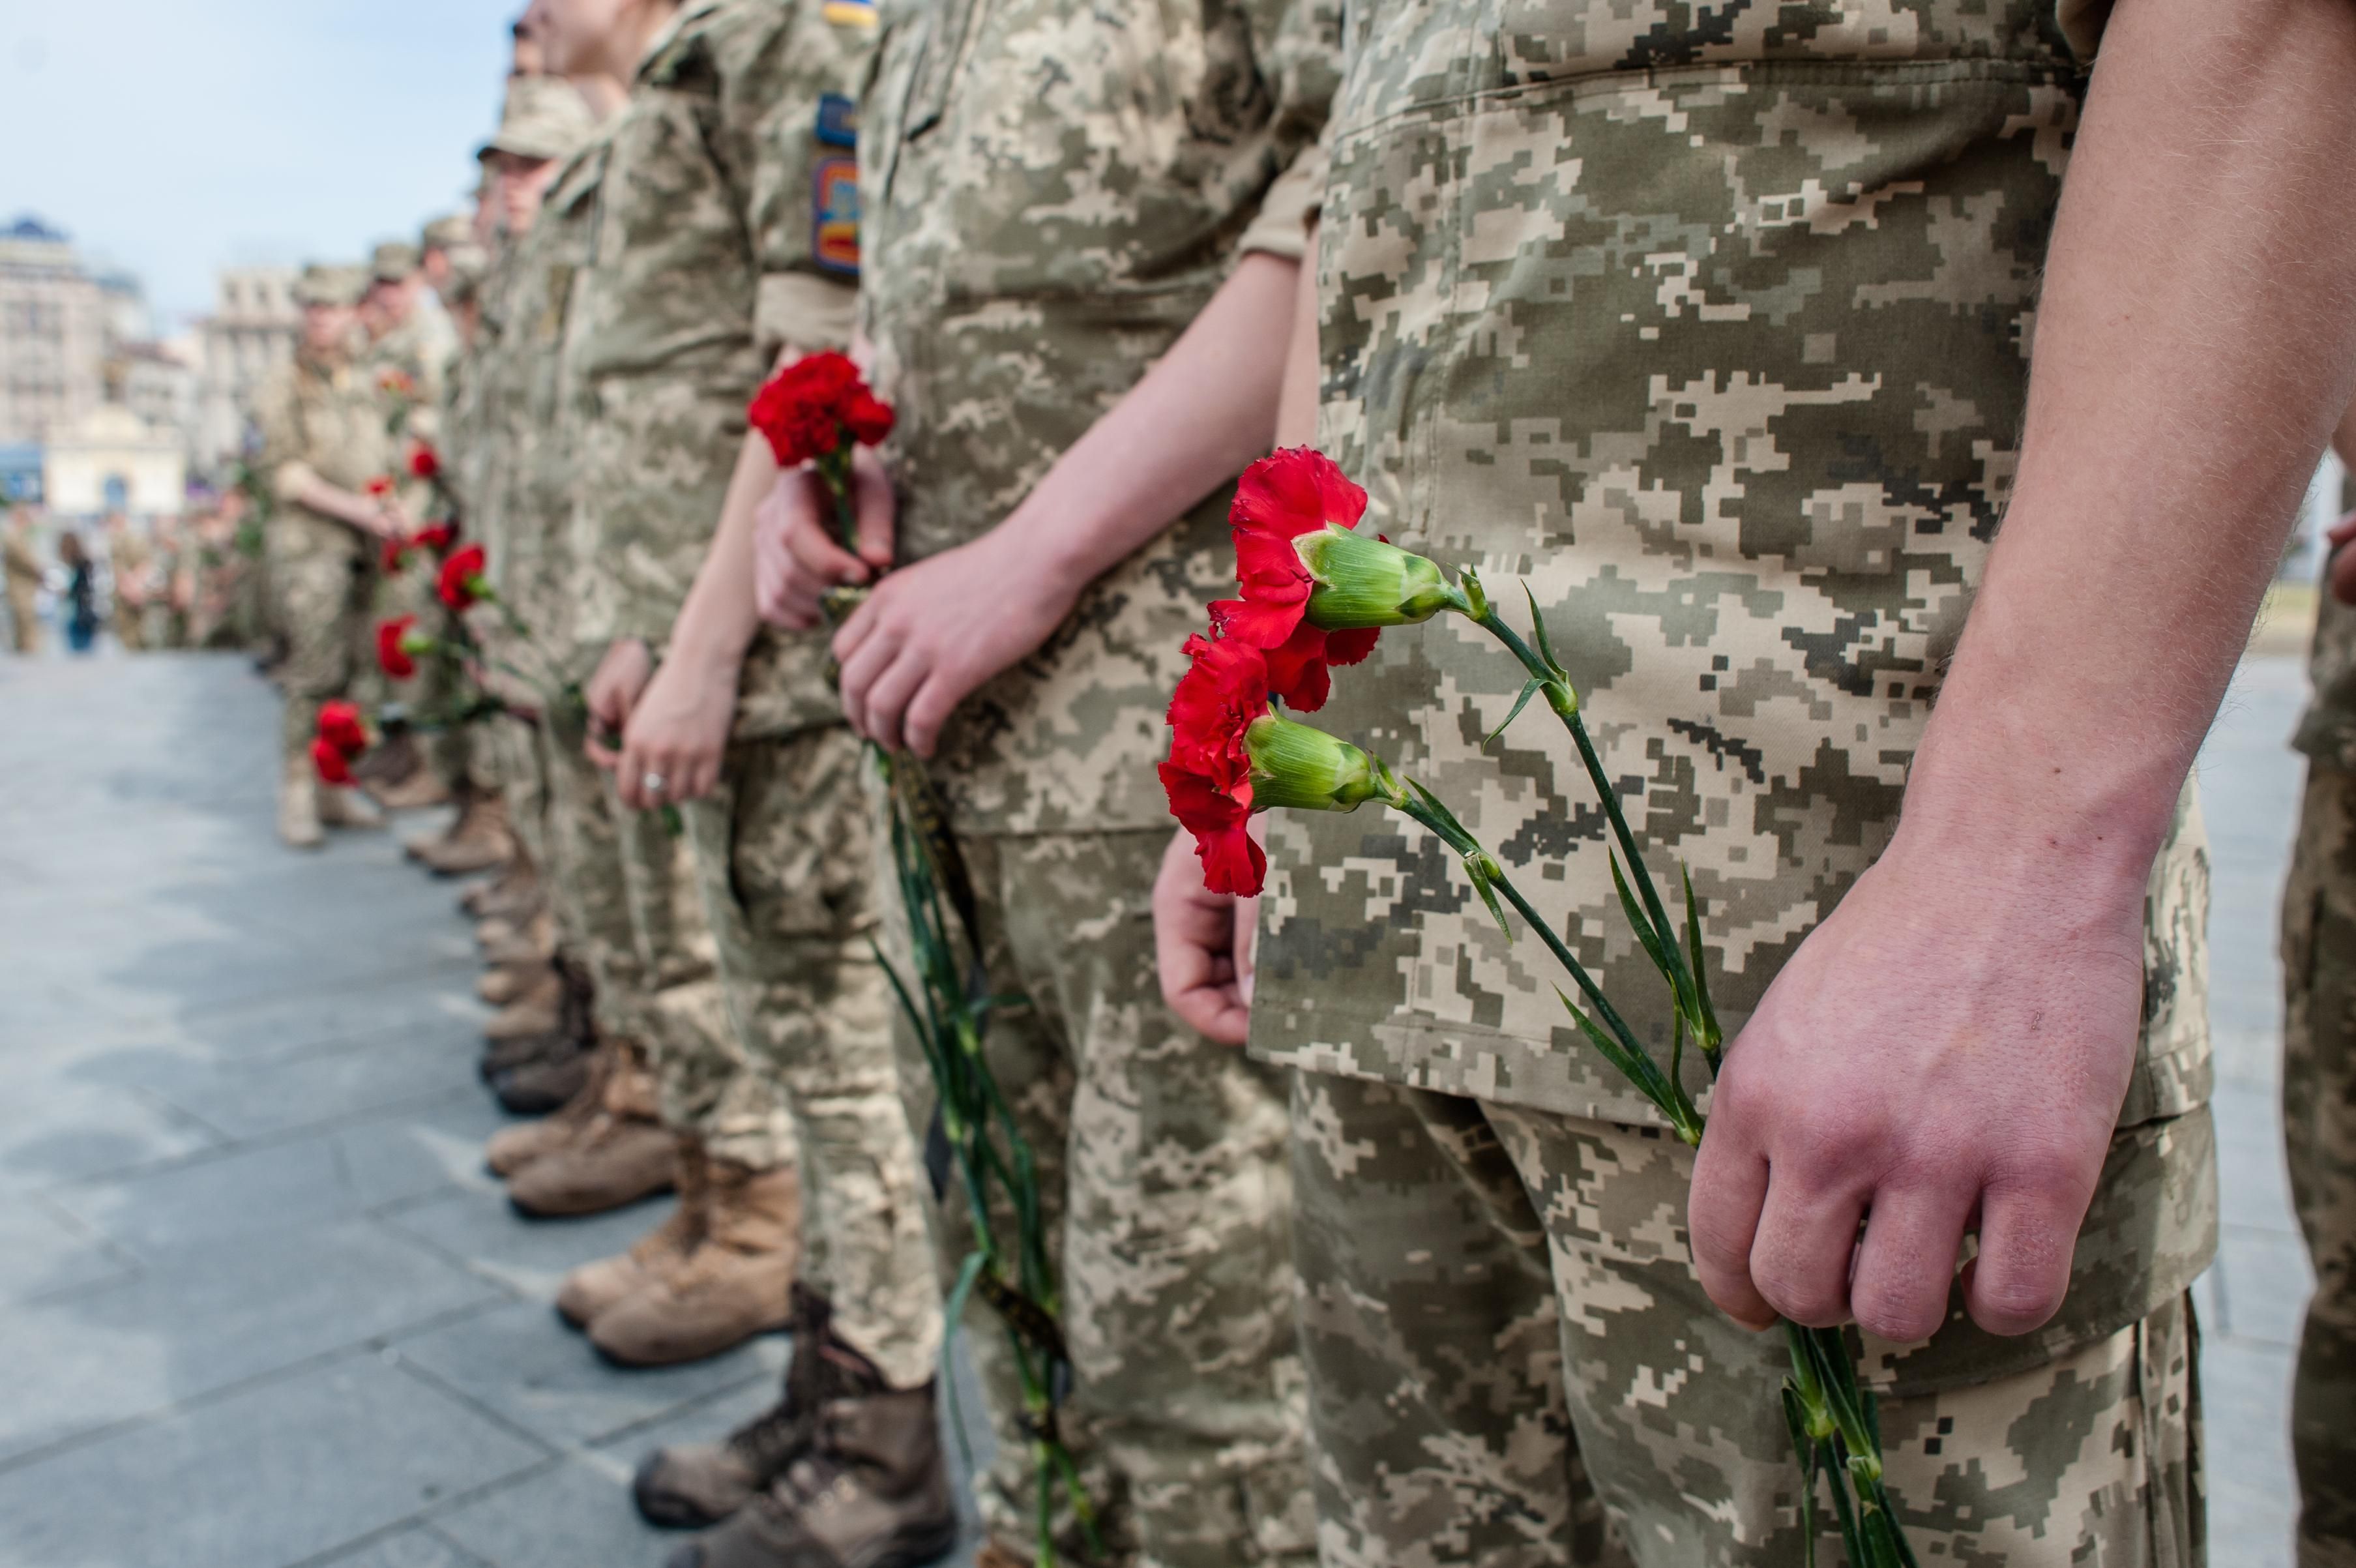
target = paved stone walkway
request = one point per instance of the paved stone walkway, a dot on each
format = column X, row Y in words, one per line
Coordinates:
column 259, row 1306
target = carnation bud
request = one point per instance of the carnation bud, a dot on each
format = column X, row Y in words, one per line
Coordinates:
column 1363, row 582
column 1305, row 768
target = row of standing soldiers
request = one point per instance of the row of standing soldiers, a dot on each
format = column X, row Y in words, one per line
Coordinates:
column 1715, row 335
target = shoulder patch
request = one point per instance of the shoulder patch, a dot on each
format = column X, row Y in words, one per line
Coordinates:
column 837, row 121
column 860, row 14
column 834, row 215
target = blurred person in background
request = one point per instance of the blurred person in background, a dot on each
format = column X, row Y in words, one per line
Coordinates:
column 130, row 564
column 82, row 593
column 23, row 570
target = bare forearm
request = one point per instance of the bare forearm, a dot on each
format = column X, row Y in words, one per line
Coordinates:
column 332, row 501
column 2195, row 347
column 1296, row 413
column 717, row 623
column 1202, row 413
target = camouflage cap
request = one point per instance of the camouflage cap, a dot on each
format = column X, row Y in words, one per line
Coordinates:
column 322, row 283
column 447, row 234
column 545, row 117
column 469, row 266
column 395, row 260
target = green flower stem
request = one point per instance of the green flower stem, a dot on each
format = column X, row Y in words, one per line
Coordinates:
column 1832, row 1411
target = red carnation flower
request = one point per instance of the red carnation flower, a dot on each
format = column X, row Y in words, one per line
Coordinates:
column 380, row 487
column 815, row 407
column 1295, row 491
column 396, row 554
column 435, row 536
column 1220, row 822
column 341, row 727
column 869, row 418
column 1218, row 698
column 1209, row 776
column 390, row 652
column 424, row 463
column 333, row 766
column 461, row 586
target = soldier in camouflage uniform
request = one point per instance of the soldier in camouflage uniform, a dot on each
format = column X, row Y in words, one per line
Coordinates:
column 323, row 441
column 555, row 796
column 406, row 366
column 2318, row 957
column 649, row 456
column 478, row 837
column 712, row 264
column 1711, row 327
column 1057, row 197
column 23, row 571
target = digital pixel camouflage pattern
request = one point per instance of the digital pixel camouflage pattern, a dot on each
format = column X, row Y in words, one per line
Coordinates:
column 1503, row 1331
column 787, row 865
column 705, row 220
column 1051, row 192
column 1168, row 1207
column 2319, row 954
column 1709, row 324
column 318, row 418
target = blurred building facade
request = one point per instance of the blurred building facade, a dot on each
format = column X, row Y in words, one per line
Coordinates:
column 253, row 331
column 53, row 320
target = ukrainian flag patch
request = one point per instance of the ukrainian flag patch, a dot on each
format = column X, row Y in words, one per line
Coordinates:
column 834, row 216
column 852, row 14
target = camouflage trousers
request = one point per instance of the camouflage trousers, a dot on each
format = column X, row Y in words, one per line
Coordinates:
column 785, row 859
column 616, row 881
column 1168, row 1206
column 1512, row 1364
column 24, row 619
column 321, row 605
column 510, row 750
column 2319, row 953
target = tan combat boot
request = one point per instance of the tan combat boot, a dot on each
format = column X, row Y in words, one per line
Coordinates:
column 537, row 940
column 513, row 895
column 595, row 1288
column 478, row 841
column 619, row 1155
column 538, row 1011
column 422, row 788
column 298, row 808
column 510, row 1149
column 507, row 983
column 347, row 809
column 872, row 1488
column 695, row 1484
column 739, row 1282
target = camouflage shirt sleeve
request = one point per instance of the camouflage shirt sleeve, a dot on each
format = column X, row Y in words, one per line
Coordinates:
column 1299, row 48
column 784, row 136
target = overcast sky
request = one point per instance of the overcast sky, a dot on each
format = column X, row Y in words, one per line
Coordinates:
column 172, row 137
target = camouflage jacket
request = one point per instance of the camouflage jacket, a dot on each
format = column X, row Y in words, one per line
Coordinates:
column 1714, row 336
column 1052, row 191
column 321, row 420
column 533, row 567
column 23, row 567
column 2327, row 731
column 706, row 256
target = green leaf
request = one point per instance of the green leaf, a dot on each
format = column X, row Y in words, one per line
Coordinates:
column 1643, row 926
column 1481, row 869
column 1709, row 1036
column 1530, row 688
column 1639, row 1070
column 1538, row 635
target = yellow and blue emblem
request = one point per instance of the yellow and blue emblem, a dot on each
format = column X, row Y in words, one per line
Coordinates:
column 852, row 14
column 834, row 186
